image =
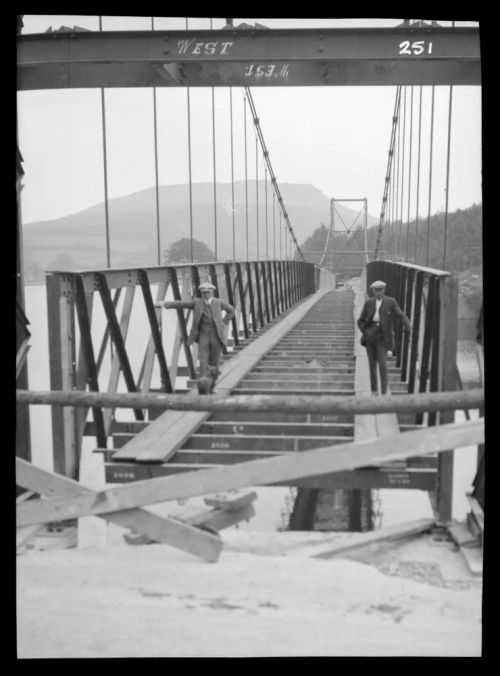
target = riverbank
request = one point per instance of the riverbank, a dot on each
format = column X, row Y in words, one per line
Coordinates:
column 264, row 597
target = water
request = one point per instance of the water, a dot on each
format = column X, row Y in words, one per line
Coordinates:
column 397, row 506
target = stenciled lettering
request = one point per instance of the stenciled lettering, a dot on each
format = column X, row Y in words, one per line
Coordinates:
column 267, row 70
column 194, row 46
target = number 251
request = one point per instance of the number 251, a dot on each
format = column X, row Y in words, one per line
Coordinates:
column 415, row 48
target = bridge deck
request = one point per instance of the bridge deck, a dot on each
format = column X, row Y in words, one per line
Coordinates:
column 314, row 350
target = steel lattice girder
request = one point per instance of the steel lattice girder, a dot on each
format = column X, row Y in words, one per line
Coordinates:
column 382, row 56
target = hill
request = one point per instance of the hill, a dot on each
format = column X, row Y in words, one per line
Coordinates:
column 78, row 240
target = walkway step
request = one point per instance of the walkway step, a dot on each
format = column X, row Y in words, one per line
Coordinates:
column 304, row 391
column 274, row 428
column 247, row 442
column 323, row 384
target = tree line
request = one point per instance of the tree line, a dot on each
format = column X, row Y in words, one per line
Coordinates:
column 424, row 241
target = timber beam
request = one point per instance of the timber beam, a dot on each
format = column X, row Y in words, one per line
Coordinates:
column 258, row 403
column 283, row 57
column 265, row 471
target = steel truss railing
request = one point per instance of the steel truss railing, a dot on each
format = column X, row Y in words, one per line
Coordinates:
column 259, row 291
column 429, row 298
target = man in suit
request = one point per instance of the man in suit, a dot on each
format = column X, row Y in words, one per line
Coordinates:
column 209, row 328
column 376, row 323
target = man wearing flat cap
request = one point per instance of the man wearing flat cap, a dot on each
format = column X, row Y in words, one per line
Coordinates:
column 376, row 323
column 209, row 328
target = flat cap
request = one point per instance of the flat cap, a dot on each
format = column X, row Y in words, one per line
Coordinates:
column 378, row 285
column 206, row 286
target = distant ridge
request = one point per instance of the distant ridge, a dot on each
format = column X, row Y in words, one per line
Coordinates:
column 80, row 237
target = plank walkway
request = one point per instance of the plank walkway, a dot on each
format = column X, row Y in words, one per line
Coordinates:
column 315, row 350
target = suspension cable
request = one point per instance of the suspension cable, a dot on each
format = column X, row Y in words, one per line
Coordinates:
column 390, row 247
column 232, row 170
column 447, row 177
column 402, row 178
column 265, row 201
column 409, row 181
column 447, row 171
column 396, row 213
column 257, row 191
column 274, row 226
column 157, row 186
column 390, row 163
column 246, row 172
column 430, row 176
column 271, row 172
column 105, row 161
column 418, row 174
column 390, row 207
column 214, row 165
column 279, row 212
column 189, row 171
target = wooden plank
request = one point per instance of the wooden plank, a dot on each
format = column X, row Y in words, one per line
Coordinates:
column 24, row 534
column 365, row 479
column 359, row 540
column 309, row 463
column 218, row 519
column 231, row 502
column 157, row 433
column 262, row 404
column 215, row 519
column 161, row 529
column 386, row 424
column 170, row 430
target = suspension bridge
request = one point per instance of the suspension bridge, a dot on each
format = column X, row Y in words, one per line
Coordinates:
column 291, row 407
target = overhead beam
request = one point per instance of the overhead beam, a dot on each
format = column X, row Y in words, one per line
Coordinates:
column 291, row 57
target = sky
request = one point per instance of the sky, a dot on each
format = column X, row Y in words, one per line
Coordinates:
column 335, row 138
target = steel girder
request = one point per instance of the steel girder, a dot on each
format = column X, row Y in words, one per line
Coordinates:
column 381, row 56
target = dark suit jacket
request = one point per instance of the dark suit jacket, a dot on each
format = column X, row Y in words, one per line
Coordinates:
column 197, row 305
column 388, row 311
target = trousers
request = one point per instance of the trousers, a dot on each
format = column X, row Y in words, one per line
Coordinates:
column 209, row 350
column 377, row 354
